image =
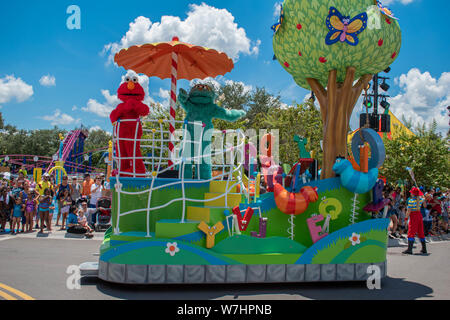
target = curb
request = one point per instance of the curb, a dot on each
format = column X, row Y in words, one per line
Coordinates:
column 395, row 243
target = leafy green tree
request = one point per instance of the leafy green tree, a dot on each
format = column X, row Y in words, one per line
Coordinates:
column 407, row 122
column 303, row 120
column 98, row 142
column 34, row 142
column 43, row 142
column 300, row 47
column 233, row 95
column 426, row 153
column 261, row 102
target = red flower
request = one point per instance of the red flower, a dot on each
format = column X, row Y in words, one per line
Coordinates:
column 388, row 20
column 286, row 65
column 300, row 53
column 299, row 26
column 322, row 60
column 380, row 42
column 394, row 55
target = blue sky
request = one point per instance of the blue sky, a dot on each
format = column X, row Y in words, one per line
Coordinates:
column 80, row 82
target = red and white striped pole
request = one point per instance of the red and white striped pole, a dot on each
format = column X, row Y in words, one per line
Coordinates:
column 173, row 103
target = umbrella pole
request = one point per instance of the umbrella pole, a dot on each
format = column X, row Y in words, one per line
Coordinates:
column 173, row 106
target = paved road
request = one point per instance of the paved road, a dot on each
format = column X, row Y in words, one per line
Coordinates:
column 37, row 268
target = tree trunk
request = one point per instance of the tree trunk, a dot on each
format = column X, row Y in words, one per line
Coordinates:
column 336, row 104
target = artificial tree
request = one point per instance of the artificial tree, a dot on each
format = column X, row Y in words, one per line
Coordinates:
column 337, row 73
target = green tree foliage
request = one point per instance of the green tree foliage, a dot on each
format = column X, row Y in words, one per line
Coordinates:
column 98, row 142
column 300, row 46
column 33, row 142
column 265, row 111
column 261, row 102
column 303, row 120
column 426, row 153
column 45, row 142
column 233, row 95
column 255, row 102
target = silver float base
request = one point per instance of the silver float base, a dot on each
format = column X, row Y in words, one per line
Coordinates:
column 234, row 274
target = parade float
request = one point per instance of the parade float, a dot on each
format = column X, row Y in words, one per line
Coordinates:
column 176, row 222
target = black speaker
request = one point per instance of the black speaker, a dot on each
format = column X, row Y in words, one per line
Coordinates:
column 170, row 174
column 314, row 170
column 373, row 121
column 385, row 123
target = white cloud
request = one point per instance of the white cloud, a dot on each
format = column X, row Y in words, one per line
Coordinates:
column 102, row 109
column 423, row 98
column 247, row 87
column 219, row 81
column 277, row 10
column 12, row 88
column 74, row 108
column 205, row 26
column 59, row 118
column 95, row 128
column 165, row 94
column 48, row 81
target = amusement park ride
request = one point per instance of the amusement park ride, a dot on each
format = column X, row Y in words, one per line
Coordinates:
column 69, row 159
column 187, row 219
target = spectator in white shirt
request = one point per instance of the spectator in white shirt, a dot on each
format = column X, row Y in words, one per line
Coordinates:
column 96, row 193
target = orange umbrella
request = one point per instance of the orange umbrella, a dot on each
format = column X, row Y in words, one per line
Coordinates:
column 176, row 60
column 155, row 60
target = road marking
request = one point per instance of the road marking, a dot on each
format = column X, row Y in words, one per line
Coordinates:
column 16, row 292
column 6, row 238
column 6, row 296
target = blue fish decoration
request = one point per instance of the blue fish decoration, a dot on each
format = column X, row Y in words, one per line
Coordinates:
column 353, row 180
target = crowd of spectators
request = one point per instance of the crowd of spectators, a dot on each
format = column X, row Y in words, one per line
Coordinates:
column 434, row 210
column 28, row 206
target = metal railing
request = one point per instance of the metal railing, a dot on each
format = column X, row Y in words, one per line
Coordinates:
column 155, row 146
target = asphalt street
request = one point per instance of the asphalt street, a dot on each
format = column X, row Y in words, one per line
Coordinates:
column 36, row 267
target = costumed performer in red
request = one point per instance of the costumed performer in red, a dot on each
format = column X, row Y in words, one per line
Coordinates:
column 132, row 94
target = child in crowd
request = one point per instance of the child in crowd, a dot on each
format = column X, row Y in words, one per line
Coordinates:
column 45, row 202
column 427, row 220
column 73, row 223
column 82, row 220
column 72, row 220
column 401, row 220
column 66, row 202
column 16, row 215
column 50, row 213
column 30, row 208
column 435, row 222
column 392, row 214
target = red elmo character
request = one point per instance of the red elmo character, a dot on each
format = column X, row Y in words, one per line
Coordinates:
column 132, row 108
